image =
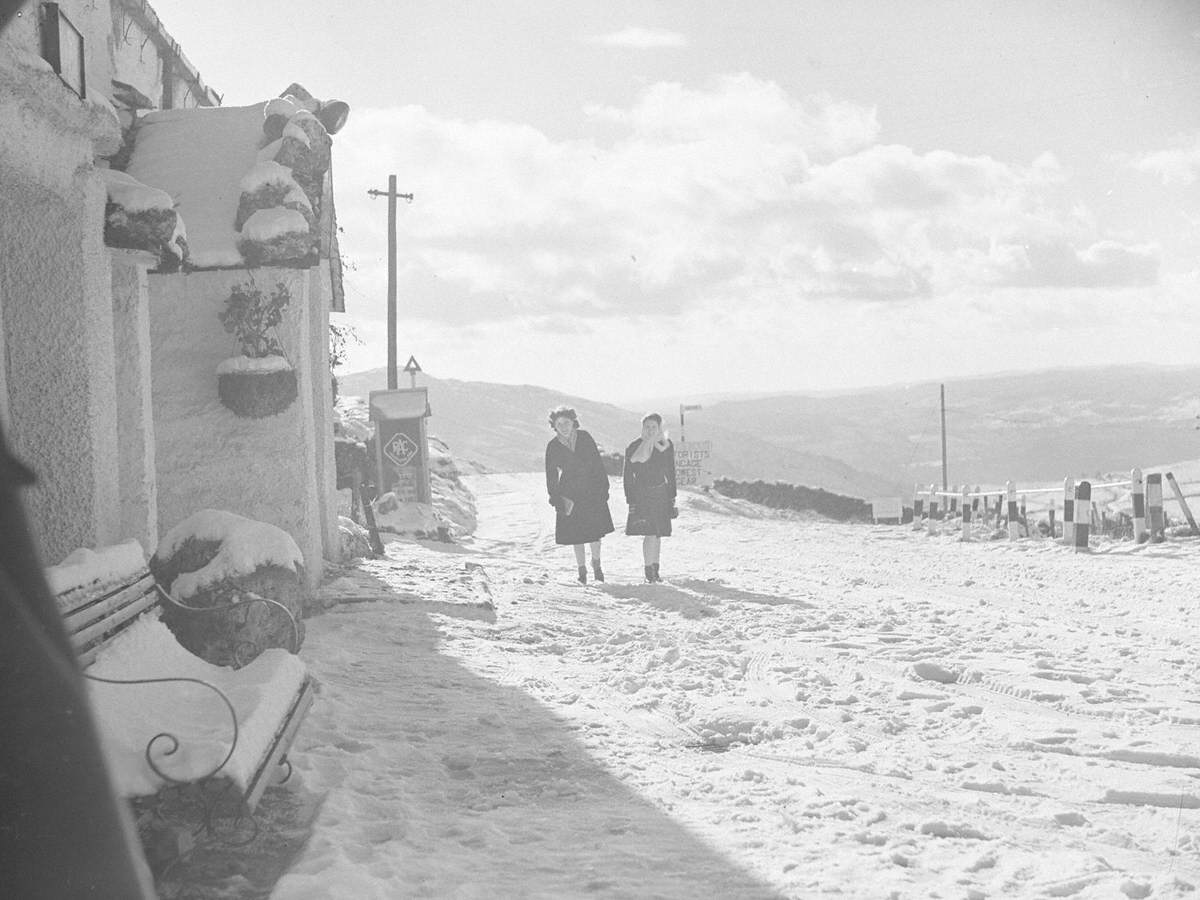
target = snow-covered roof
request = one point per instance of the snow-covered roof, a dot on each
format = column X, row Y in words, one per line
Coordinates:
column 404, row 403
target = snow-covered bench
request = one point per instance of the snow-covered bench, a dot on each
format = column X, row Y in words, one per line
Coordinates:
column 166, row 716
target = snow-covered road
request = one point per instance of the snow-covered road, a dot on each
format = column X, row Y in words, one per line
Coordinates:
column 802, row 708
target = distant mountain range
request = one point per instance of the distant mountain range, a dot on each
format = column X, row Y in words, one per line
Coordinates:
column 503, row 428
column 1038, row 426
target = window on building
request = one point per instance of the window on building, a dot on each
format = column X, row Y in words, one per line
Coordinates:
column 62, row 47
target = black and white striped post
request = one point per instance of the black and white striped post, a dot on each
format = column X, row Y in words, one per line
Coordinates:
column 1014, row 523
column 1137, row 491
column 1069, row 512
column 966, row 515
column 975, row 501
column 918, row 503
column 1083, row 515
column 1154, row 507
column 933, row 502
column 953, row 501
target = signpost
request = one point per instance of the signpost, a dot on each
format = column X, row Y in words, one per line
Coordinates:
column 401, row 446
column 888, row 510
column 691, row 463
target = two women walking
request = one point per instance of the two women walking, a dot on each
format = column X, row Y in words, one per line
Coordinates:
column 578, row 487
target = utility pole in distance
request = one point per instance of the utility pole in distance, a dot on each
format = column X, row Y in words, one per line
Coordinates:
column 945, row 483
column 390, row 193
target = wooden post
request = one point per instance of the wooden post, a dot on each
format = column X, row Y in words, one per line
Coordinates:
column 1187, row 513
column 954, row 502
column 966, row 515
column 1154, row 507
column 1083, row 515
column 1014, row 521
column 1137, row 492
column 1053, row 530
column 1069, row 511
column 933, row 502
column 368, row 514
column 918, row 503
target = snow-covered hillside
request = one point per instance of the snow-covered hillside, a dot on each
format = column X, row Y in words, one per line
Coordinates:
column 801, row 709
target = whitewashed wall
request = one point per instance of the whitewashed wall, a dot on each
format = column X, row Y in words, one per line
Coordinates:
column 276, row 469
column 55, row 282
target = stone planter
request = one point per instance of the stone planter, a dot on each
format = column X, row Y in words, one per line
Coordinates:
column 224, row 623
column 256, row 393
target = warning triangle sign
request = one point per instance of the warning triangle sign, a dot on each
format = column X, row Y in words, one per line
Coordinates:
column 412, row 366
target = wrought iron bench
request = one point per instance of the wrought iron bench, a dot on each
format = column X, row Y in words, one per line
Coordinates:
column 119, row 640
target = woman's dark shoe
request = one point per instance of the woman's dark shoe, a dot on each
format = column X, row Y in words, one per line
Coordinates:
column 597, row 571
column 583, row 574
column 650, row 574
column 655, row 568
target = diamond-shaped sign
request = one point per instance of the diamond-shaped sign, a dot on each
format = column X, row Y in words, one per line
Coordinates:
column 400, row 449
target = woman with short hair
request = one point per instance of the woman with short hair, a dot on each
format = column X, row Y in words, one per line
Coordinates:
column 649, row 478
column 578, row 487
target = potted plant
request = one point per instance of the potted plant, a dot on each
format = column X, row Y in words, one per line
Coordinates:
column 259, row 382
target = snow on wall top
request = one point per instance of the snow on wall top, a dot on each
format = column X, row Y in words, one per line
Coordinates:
column 128, row 192
column 246, row 545
column 199, row 157
column 86, row 567
column 266, row 224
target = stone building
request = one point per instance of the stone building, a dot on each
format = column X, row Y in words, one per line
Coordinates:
column 121, row 239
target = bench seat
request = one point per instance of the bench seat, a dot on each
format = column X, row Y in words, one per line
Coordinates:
column 110, row 606
column 129, row 716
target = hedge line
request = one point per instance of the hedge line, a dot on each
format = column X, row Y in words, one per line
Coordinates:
column 790, row 496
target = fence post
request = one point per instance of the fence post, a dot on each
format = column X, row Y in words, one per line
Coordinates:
column 1014, row 521
column 1053, row 531
column 954, row 501
column 966, row 515
column 1137, row 492
column 975, row 500
column 1069, row 512
column 933, row 502
column 1187, row 513
column 1154, row 506
column 1083, row 515
column 918, row 503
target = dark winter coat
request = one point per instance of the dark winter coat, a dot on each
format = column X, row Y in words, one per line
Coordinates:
column 580, row 476
column 650, row 490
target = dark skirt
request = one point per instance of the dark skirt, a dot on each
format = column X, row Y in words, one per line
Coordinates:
column 589, row 521
column 650, row 512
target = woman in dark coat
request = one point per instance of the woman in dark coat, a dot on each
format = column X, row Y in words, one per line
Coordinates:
column 649, row 477
column 578, row 489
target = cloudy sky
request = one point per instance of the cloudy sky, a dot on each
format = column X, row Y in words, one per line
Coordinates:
column 672, row 198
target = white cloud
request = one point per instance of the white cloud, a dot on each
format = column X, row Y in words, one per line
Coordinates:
column 635, row 38
column 1179, row 165
column 690, row 199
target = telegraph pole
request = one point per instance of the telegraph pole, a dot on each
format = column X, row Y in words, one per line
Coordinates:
column 945, row 482
column 392, row 196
